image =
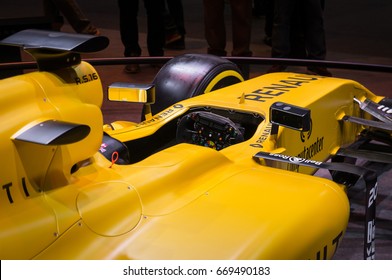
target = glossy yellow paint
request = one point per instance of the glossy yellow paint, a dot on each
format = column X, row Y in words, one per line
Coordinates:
column 181, row 202
column 230, row 215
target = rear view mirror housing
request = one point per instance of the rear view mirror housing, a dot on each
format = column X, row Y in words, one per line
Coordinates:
column 134, row 93
column 290, row 116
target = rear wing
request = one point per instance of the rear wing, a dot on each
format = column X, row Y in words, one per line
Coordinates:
column 55, row 50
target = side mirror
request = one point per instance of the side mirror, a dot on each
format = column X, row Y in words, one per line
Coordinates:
column 134, row 93
column 290, row 116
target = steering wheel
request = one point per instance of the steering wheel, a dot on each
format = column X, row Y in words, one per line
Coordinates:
column 209, row 130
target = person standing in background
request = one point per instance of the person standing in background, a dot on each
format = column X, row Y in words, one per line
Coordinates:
column 175, row 27
column 268, row 21
column 129, row 29
column 70, row 9
column 215, row 30
column 299, row 23
column 258, row 8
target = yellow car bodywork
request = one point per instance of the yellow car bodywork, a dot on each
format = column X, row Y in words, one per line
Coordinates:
column 179, row 201
column 183, row 202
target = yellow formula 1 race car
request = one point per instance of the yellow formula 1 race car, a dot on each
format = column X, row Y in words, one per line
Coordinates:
column 219, row 168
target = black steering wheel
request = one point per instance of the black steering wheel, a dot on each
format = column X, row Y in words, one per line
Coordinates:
column 209, row 130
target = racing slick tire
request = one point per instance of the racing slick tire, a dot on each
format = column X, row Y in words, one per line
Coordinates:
column 190, row 75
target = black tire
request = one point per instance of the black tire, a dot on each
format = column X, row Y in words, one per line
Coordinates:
column 190, row 75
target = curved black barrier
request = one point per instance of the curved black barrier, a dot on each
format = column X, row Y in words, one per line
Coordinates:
column 239, row 60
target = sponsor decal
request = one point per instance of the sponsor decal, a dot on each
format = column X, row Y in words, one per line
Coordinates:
column 8, row 190
column 86, row 78
column 313, row 149
column 296, row 160
column 276, row 89
column 370, row 226
column 333, row 245
column 263, row 137
column 306, row 135
column 162, row 115
column 305, row 156
column 307, row 153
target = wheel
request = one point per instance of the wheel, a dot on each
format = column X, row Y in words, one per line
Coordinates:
column 208, row 130
column 190, row 75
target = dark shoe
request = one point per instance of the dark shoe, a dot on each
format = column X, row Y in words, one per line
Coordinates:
column 268, row 41
column 132, row 68
column 172, row 37
column 91, row 30
column 317, row 70
column 277, row 68
column 156, row 65
column 176, row 45
column 258, row 12
column 216, row 52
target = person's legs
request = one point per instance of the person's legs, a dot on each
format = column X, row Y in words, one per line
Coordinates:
column 214, row 26
column 241, row 27
column 241, row 11
column 258, row 8
column 52, row 12
column 297, row 32
column 129, row 31
column 176, row 10
column 315, row 35
column 281, row 32
column 314, row 29
column 176, row 15
column 155, row 10
column 74, row 15
column 269, row 21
